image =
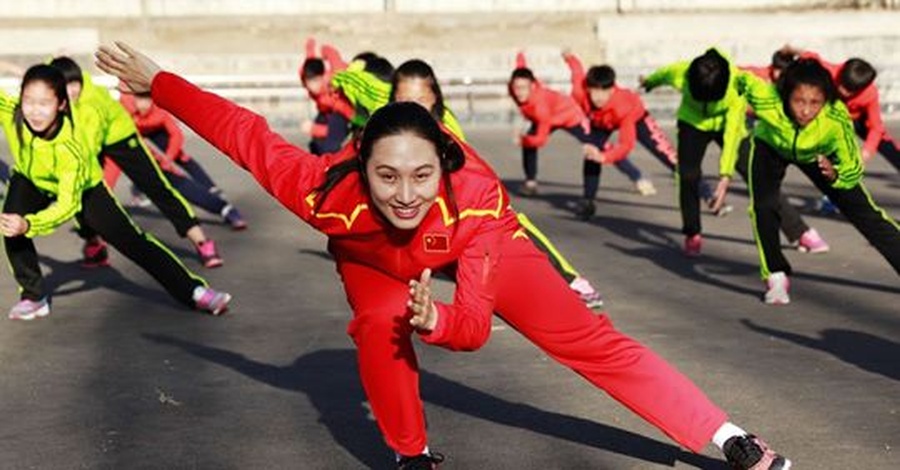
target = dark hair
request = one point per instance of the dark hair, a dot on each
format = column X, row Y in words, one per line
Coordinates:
column 55, row 80
column 522, row 72
column 312, row 67
column 805, row 72
column 856, row 74
column 364, row 56
column 394, row 119
column 380, row 67
column 69, row 68
column 708, row 77
column 416, row 68
column 781, row 59
column 600, row 76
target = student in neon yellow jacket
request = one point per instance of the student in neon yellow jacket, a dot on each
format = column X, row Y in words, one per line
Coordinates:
column 802, row 122
column 55, row 178
column 711, row 110
column 118, row 139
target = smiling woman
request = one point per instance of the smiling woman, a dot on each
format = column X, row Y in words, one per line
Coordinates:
column 436, row 207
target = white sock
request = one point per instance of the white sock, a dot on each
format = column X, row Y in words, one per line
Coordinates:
column 725, row 432
column 198, row 292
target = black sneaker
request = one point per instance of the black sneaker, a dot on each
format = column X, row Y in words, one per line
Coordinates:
column 421, row 462
column 751, row 453
column 585, row 209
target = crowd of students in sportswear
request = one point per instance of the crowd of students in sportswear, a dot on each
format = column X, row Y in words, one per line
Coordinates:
column 392, row 181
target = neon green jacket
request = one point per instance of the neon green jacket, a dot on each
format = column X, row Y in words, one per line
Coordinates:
column 117, row 123
column 830, row 134
column 365, row 91
column 60, row 167
column 452, row 124
column 727, row 115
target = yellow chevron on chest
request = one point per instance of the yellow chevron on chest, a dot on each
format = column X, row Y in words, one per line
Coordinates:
column 471, row 212
column 347, row 219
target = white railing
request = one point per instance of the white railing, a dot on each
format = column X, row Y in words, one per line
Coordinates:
column 473, row 98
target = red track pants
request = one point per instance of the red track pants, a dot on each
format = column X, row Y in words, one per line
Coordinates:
column 536, row 301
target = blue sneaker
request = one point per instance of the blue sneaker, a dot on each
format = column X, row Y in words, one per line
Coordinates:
column 826, row 207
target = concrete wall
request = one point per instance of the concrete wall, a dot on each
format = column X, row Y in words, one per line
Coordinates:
column 178, row 8
column 259, row 55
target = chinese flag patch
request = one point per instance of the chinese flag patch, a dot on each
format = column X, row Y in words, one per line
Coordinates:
column 436, row 243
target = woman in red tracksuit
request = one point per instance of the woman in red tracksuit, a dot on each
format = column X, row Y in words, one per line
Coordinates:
column 548, row 110
column 409, row 199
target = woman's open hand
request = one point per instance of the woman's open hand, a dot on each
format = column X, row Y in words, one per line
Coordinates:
column 424, row 311
column 135, row 69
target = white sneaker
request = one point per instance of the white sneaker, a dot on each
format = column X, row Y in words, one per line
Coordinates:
column 586, row 291
column 26, row 309
column 645, row 187
column 778, row 285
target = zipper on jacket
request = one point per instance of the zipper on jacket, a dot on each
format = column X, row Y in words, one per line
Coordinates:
column 796, row 137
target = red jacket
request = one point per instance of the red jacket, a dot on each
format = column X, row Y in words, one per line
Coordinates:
column 466, row 244
column 863, row 105
column 547, row 109
column 329, row 100
column 155, row 120
column 622, row 112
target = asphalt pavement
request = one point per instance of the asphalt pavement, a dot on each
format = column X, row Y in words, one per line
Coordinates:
column 120, row 376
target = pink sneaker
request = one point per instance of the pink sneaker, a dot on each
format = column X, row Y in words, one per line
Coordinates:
column 587, row 293
column 692, row 245
column 812, row 242
column 208, row 254
column 209, row 300
column 26, row 309
column 96, row 255
column 778, row 286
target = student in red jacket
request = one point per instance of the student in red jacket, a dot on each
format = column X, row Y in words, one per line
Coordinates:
column 331, row 126
column 549, row 110
column 772, row 72
column 410, row 200
column 611, row 108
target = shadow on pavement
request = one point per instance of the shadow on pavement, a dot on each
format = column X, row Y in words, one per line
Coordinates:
column 329, row 379
column 63, row 273
column 868, row 352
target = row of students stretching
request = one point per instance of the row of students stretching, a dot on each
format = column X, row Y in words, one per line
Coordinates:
column 712, row 110
column 116, row 138
column 548, row 110
column 800, row 120
column 413, row 81
column 424, row 201
column 55, row 139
